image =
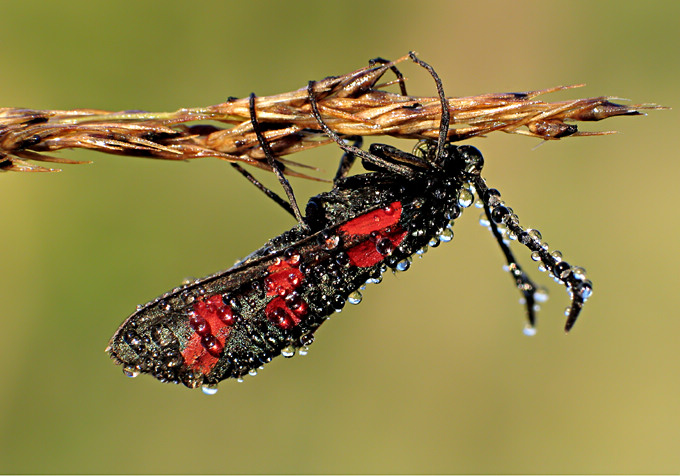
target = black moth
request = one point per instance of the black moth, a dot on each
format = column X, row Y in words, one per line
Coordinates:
column 231, row 323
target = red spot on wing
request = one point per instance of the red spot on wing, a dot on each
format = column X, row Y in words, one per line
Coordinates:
column 197, row 357
column 366, row 253
column 384, row 234
column 287, row 308
column 212, row 320
column 283, row 278
column 281, row 315
column 375, row 220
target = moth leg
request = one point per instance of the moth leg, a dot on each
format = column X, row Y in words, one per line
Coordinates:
column 367, row 157
column 394, row 155
column 395, row 70
column 347, row 160
column 280, row 201
column 572, row 277
column 275, row 166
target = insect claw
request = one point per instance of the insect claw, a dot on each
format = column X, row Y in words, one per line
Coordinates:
column 573, row 313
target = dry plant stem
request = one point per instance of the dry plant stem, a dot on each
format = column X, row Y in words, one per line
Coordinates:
column 352, row 105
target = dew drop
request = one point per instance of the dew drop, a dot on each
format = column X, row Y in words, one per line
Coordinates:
column 304, row 350
column 343, row 259
column 529, row 330
column 292, row 256
column 579, row 273
column 465, row 198
column 384, row 246
column 139, row 307
column 446, row 235
column 354, row 298
column 421, row 149
column 239, row 380
column 499, row 214
column 452, row 213
column 338, row 302
column 484, row 220
column 562, row 270
column 403, row 265
column 535, row 256
column 288, row 351
column 534, row 234
column 434, row 242
column 209, row 388
column 130, row 371
column 252, row 372
column 557, row 255
column 192, row 379
column 585, row 290
column 541, row 295
column 332, row 242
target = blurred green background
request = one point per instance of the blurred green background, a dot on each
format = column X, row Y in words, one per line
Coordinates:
column 431, row 373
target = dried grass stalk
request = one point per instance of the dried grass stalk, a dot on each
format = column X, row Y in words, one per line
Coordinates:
column 352, row 104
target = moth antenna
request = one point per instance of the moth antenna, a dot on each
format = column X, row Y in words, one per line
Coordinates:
column 572, row 277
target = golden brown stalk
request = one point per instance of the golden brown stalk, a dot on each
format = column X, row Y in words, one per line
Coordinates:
column 352, row 105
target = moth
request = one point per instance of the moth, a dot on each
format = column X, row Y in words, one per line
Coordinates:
column 229, row 324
